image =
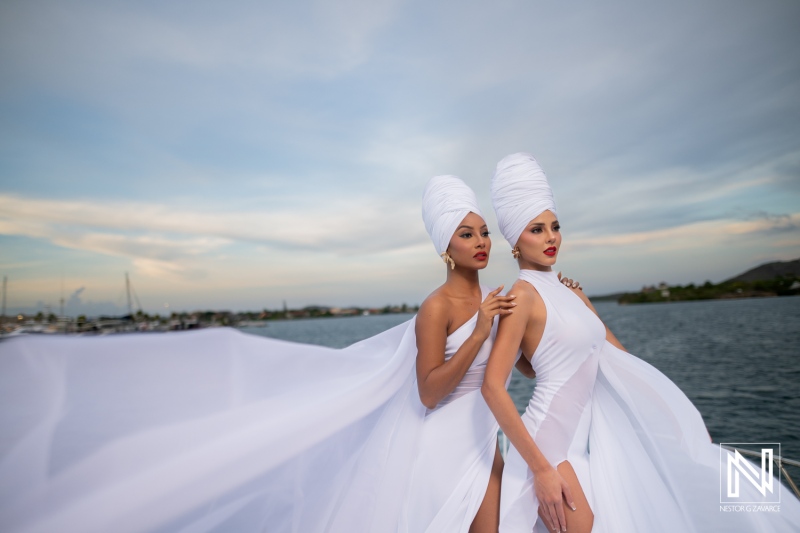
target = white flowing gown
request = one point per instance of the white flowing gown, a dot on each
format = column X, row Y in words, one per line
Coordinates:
column 457, row 449
column 217, row 430
column 637, row 444
column 213, row 430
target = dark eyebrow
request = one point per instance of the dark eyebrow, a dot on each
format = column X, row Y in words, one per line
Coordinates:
column 467, row 227
column 540, row 223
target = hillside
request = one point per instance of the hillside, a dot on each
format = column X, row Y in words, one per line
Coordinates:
column 780, row 278
column 770, row 271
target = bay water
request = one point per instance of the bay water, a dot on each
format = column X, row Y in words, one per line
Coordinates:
column 737, row 360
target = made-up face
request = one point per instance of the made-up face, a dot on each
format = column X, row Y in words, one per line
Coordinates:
column 540, row 242
column 470, row 244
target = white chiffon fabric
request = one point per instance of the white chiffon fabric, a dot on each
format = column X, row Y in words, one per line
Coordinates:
column 213, row 430
column 637, row 444
column 221, row 431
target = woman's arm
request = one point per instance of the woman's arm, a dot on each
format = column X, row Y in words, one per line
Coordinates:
column 548, row 483
column 436, row 378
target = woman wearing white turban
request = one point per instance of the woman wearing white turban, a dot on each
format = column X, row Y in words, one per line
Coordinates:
column 607, row 443
column 217, row 430
column 456, row 480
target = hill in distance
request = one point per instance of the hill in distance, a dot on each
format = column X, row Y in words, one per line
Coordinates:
column 779, row 278
column 770, row 271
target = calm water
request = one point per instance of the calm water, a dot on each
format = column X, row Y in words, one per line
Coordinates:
column 737, row 360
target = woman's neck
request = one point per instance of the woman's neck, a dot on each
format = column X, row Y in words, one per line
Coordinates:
column 462, row 281
column 527, row 265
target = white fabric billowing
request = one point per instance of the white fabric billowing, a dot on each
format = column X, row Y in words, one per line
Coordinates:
column 445, row 203
column 213, row 430
column 638, row 445
column 456, row 450
column 520, row 193
column 217, row 430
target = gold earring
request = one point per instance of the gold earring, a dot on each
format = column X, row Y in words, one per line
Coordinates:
column 515, row 252
column 448, row 260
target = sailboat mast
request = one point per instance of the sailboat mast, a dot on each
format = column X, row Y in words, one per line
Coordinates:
column 5, row 284
column 128, row 290
column 61, row 314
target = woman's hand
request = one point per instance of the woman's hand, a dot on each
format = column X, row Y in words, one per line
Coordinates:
column 569, row 282
column 549, row 487
column 492, row 306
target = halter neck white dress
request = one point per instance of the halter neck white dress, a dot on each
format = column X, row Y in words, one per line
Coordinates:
column 457, row 448
column 637, row 444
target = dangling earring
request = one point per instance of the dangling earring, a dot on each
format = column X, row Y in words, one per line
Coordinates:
column 515, row 252
column 447, row 259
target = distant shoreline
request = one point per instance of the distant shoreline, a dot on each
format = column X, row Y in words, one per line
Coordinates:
column 727, row 290
column 780, row 278
column 765, row 297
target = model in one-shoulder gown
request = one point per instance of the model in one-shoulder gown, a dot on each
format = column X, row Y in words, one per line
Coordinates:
column 638, row 445
column 217, row 430
column 457, row 449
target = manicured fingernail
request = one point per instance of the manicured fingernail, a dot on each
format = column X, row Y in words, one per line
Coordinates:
column 573, row 507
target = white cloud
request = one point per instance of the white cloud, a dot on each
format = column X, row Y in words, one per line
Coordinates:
column 262, row 143
column 688, row 236
column 168, row 241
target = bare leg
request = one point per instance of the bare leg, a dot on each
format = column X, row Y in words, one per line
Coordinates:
column 488, row 518
column 582, row 519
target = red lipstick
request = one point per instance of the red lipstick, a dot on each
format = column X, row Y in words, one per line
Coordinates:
column 481, row 256
column 550, row 252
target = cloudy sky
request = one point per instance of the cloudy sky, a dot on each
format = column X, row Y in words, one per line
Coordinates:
column 238, row 154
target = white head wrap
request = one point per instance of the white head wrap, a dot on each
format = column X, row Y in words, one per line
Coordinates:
column 445, row 203
column 520, row 193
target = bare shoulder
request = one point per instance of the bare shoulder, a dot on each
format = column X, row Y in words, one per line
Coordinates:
column 526, row 293
column 434, row 311
column 529, row 302
column 522, row 289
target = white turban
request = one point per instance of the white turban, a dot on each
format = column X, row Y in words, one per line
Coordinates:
column 445, row 203
column 520, row 193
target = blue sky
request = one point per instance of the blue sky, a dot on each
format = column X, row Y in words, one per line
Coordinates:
column 235, row 155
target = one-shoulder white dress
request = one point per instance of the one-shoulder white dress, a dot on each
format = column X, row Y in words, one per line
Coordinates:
column 457, row 449
column 637, row 444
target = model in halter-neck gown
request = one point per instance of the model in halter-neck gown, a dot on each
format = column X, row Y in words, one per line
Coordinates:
column 559, row 412
column 607, row 443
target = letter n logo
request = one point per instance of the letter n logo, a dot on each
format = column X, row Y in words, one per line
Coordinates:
column 740, row 474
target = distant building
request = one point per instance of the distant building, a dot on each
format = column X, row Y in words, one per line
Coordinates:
column 664, row 288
